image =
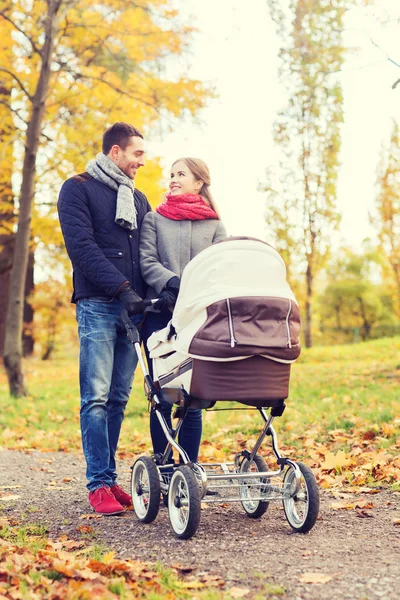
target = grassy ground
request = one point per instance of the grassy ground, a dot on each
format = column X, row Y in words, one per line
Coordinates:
column 342, row 417
column 339, row 395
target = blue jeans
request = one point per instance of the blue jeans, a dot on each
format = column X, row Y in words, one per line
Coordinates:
column 190, row 432
column 107, row 365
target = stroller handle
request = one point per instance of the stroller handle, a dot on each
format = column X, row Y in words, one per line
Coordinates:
column 139, row 309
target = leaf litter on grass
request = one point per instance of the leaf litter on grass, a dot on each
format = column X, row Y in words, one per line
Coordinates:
column 60, row 570
column 341, row 419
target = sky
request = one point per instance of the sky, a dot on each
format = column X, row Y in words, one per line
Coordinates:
column 236, row 50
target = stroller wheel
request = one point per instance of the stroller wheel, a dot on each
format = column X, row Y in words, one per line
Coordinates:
column 184, row 502
column 301, row 505
column 145, row 489
column 250, row 490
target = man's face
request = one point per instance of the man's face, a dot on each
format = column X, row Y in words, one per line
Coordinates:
column 130, row 159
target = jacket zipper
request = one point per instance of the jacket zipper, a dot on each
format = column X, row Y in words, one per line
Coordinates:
column 287, row 323
column 230, row 321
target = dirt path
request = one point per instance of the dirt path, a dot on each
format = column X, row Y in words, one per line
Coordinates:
column 361, row 554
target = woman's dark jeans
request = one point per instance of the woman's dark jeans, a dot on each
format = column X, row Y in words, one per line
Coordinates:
column 190, row 432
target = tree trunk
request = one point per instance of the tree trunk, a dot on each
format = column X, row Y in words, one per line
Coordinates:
column 14, row 321
column 28, row 341
column 309, row 294
column 7, row 217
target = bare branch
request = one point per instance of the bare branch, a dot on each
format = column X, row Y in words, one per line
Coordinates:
column 15, row 111
column 30, row 40
column 21, row 85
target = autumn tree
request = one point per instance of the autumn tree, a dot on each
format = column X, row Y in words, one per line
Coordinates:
column 387, row 217
column 301, row 200
column 78, row 66
column 354, row 298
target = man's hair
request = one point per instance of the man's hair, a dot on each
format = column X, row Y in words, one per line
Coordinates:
column 120, row 135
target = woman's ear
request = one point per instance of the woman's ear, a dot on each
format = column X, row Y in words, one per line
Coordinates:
column 198, row 185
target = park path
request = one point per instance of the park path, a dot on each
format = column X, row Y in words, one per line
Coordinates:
column 358, row 549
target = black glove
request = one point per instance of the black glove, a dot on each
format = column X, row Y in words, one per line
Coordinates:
column 131, row 300
column 173, row 285
column 168, row 296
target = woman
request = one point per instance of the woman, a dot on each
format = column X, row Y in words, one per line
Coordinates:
column 186, row 223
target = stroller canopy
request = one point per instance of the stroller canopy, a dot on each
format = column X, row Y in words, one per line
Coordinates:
column 234, row 303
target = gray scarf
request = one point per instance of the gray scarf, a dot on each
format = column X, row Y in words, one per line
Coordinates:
column 103, row 169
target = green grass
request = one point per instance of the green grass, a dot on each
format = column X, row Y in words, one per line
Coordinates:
column 32, row 536
column 342, row 387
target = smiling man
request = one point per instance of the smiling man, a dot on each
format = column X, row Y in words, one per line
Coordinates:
column 101, row 213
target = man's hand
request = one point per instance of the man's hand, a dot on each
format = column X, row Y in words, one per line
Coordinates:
column 131, row 300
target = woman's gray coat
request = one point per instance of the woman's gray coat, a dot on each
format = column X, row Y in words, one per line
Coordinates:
column 166, row 246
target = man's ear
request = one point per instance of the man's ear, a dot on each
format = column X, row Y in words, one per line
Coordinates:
column 114, row 152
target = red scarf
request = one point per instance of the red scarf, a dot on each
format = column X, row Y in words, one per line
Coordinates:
column 186, row 206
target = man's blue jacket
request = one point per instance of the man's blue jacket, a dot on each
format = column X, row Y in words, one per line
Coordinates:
column 104, row 255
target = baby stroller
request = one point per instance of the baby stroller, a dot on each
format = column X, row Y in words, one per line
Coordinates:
column 233, row 336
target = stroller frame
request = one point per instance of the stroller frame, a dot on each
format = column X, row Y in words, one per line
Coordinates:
column 247, row 480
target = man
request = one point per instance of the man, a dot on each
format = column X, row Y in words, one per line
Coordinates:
column 101, row 214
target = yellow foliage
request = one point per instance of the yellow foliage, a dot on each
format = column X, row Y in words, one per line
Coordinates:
column 108, row 64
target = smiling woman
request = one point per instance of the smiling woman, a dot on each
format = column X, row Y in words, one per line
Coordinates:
column 182, row 226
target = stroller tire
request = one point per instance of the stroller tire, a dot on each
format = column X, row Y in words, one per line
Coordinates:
column 184, row 502
column 145, row 489
column 301, row 508
column 253, row 508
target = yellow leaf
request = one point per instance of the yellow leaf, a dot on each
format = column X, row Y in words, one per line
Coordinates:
column 335, row 461
column 108, row 557
column 237, row 592
column 315, row 578
column 192, row 585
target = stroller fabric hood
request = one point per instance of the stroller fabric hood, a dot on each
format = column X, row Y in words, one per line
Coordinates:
column 235, row 303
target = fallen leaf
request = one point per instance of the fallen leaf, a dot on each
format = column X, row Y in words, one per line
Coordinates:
column 108, row 557
column 368, row 435
column 342, row 506
column 365, row 505
column 10, row 487
column 362, row 514
column 91, row 516
column 335, row 461
column 73, row 545
column 192, row 585
column 315, row 578
column 396, row 521
column 182, row 568
column 237, row 592
column 67, row 479
column 212, row 580
column 84, row 528
column 10, row 498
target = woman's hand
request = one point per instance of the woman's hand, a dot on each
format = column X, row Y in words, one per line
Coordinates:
column 168, row 296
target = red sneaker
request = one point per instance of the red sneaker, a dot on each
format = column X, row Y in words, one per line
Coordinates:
column 103, row 501
column 122, row 497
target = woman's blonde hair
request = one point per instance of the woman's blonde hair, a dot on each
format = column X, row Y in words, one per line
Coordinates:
column 201, row 172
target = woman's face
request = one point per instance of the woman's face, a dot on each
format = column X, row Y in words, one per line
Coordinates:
column 183, row 181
